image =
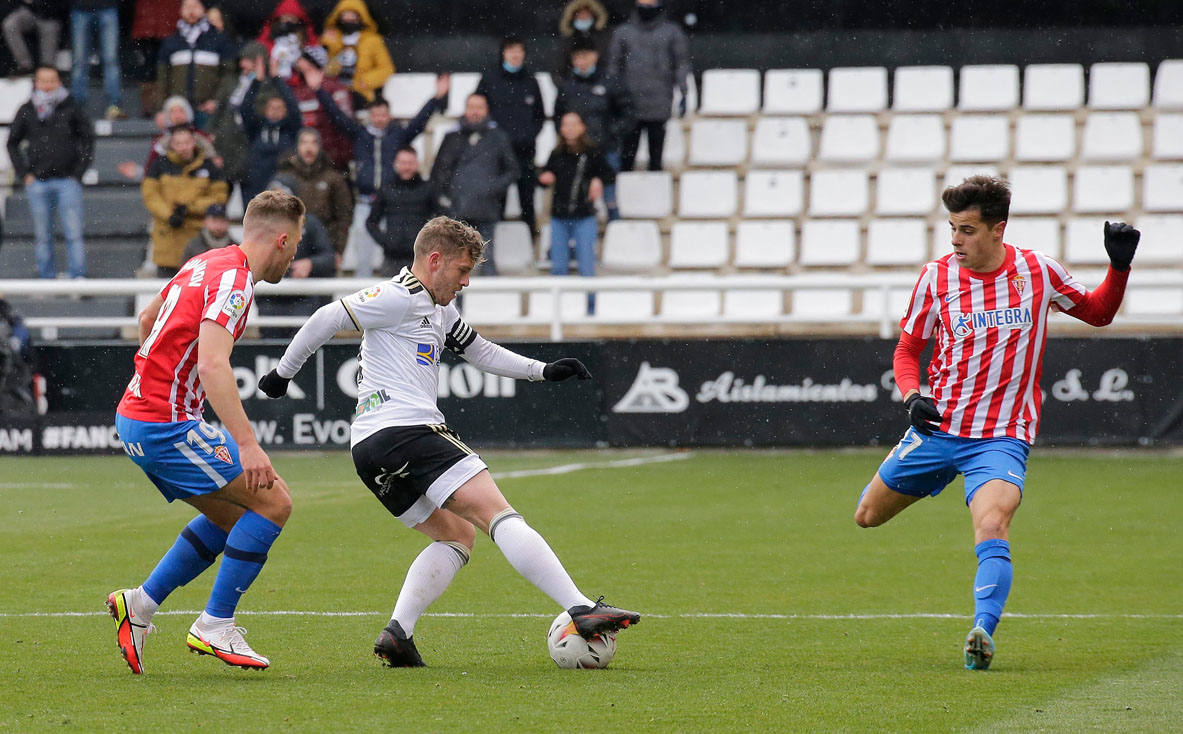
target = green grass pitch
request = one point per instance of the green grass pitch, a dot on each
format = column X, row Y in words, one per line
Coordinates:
column 766, row 608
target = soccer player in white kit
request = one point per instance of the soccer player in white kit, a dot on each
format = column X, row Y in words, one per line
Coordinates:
column 986, row 305
column 405, row 453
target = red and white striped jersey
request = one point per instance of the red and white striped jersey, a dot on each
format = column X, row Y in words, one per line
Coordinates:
column 990, row 329
column 216, row 285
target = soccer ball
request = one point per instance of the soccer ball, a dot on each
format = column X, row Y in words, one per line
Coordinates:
column 569, row 650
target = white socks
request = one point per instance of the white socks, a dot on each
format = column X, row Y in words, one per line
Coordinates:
column 144, row 604
column 429, row 575
column 531, row 557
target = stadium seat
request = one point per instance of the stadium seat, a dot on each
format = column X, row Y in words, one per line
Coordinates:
column 756, row 305
column 540, row 306
column 979, row 138
column 1119, row 86
column 730, row 92
column 1034, row 233
column 923, row 89
column 513, row 207
column 822, row 303
column 1160, row 239
column 857, row 89
column 1038, row 189
column 440, row 130
column 110, row 152
column 838, row 193
column 1168, row 137
column 1053, row 87
column 849, row 139
column 1045, row 137
column 1111, row 136
column 830, row 242
column 1168, row 85
column 107, row 257
column 544, row 144
column 631, row 246
column 773, row 193
column 718, row 142
column 1084, row 242
column 406, row 93
column 708, row 194
column 1107, row 189
column 691, row 304
column 988, row 87
column 699, row 245
column 549, row 91
column 897, row 242
column 691, row 97
column 1153, row 302
column 624, row 306
column 915, row 139
column 234, row 205
column 898, row 300
column 106, row 213
column 771, row 244
column 792, row 91
column 644, row 194
column 673, row 155
column 463, row 83
column 955, row 174
column 905, row 191
column 781, row 141
column 1162, row 188
column 14, row 93
column 513, row 247
column 492, row 308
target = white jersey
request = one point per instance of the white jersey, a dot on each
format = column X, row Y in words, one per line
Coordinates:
column 404, row 332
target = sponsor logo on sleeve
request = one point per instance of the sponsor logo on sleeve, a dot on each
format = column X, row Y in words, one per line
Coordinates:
column 369, row 294
column 235, row 304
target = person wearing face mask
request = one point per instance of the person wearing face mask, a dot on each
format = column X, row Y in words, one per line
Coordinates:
column 583, row 22
column 357, row 52
column 650, row 55
column 286, row 34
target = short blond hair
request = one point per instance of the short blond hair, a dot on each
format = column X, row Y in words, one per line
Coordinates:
column 450, row 237
column 271, row 210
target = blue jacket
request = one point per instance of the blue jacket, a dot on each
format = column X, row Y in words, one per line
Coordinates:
column 267, row 139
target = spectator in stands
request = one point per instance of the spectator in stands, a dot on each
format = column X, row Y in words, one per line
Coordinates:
column 43, row 17
column 88, row 17
column 152, row 22
column 400, row 210
column 286, row 34
column 649, row 54
column 194, row 60
column 578, row 171
column 314, row 258
column 336, row 144
column 177, row 190
column 270, row 131
column 323, row 189
column 374, row 148
column 357, row 51
column 215, row 233
column 584, row 23
column 225, row 125
column 473, row 169
column 515, row 103
column 604, row 105
column 60, row 147
column 176, row 112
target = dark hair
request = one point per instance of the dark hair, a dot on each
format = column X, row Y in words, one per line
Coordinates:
column 51, row 67
column 377, row 101
column 184, row 127
column 989, row 194
column 582, row 145
column 512, row 40
column 406, row 149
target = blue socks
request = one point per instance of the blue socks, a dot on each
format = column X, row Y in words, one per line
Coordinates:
column 992, row 583
column 245, row 554
column 196, row 548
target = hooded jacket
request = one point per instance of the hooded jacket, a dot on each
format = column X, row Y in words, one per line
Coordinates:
column 288, row 7
column 325, row 193
column 515, row 102
column 171, row 181
column 651, row 58
column 60, row 146
column 282, row 49
column 359, row 59
column 604, row 104
column 598, row 35
column 472, row 170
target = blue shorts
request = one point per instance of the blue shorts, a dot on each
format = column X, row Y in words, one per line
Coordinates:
column 922, row 466
column 182, row 459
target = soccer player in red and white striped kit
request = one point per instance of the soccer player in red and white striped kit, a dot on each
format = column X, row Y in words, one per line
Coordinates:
column 986, row 303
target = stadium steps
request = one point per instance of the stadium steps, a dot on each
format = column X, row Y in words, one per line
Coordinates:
column 117, row 212
column 39, row 307
column 106, row 257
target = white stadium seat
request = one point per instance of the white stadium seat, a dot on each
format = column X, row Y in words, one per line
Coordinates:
column 708, row 194
column 691, row 97
column 923, row 89
column 897, row 242
column 849, row 139
column 699, row 245
column 1162, row 188
column 841, row 192
column 905, row 191
column 462, row 84
column 988, row 87
column 792, row 91
column 915, row 139
column 645, row 194
column 773, row 193
column 690, row 304
column 770, row 244
column 1153, row 302
column 1168, row 137
column 1111, row 136
column 898, row 300
column 781, row 141
column 1034, row 233
column 718, row 142
column 513, row 247
column 492, row 308
column 1084, row 241
column 730, row 92
column 857, row 89
column 673, row 155
column 541, row 305
column 1053, row 87
column 1119, row 86
column 1108, row 189
column 631, row 245
column 979, row 138
column 1045, row 137
column 406, row 93
column 626, row 306
column 15, row 92
column 1168, row 85
column 957, row 173
column 822, row 303
column 758, row 305
column 1038, row 189
column 832, row 242
column 544, row 144
column 549, row 91
column 1160, row 239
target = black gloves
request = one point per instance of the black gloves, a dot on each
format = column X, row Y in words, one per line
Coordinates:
column 1121, row 240
column 274, row 386
column 923, row 413
column 176, row 220
column 563, row 368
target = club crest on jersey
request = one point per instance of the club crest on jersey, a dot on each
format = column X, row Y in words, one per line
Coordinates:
column 369, row 293
column 223, row 453
column 1019, row 283
column 426, row 354
column 964, row 324
column 235, row 304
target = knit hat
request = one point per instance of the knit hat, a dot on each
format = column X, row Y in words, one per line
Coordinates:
column 216, row 210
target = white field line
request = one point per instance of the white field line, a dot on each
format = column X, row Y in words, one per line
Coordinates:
column 687, row 615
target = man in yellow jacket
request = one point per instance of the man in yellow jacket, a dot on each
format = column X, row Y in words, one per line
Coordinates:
column 357, row 51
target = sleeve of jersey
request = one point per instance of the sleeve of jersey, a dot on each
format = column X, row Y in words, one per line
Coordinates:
column 484, row 354
column 228, row 301
column 1096, row 307
column 921, row 316
column 906, row 362
column 379, row 305
column 318, row 329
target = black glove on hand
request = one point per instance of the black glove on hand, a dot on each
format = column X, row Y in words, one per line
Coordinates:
column 923, row 413
column 177, row 219
column 274, row 386
column 1121, row 240
column 563, row 368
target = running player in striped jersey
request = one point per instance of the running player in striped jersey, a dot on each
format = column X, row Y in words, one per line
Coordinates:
column 986, row 304
column 415, row 465
column 186, row 336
